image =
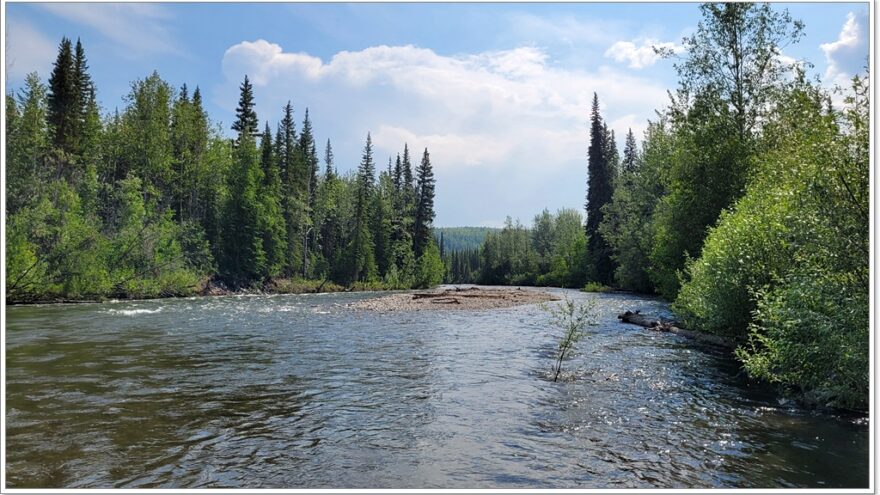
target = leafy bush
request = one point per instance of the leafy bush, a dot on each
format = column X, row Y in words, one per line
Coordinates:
column 595, row 287
column 786, row 271
column 429, row 268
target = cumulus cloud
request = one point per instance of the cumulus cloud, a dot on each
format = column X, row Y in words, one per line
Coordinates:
column 640, row 55
column 27, row 50
column 136, row 28
column 508, row 116
column 848, row 54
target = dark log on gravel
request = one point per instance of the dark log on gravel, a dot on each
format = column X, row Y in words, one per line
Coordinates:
column 423, row 295
column 661, row 325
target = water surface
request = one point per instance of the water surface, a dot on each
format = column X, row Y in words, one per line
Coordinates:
column 301, row 391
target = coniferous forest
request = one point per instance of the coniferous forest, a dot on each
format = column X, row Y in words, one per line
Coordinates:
column 746, row 205
column 154, row 200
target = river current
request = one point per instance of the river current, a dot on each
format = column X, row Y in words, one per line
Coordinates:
column 301, row 391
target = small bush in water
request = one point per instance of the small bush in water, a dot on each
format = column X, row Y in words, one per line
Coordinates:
column 572, row 317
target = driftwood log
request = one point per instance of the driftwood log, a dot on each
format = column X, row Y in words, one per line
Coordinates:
column 661, row 325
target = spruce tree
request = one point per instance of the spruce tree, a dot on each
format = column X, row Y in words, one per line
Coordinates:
column 245, row 115
column 599, row 191
column 272, row 228
column 363, row 264
column 244, row 258
column 64, row 109
column 408, row 182
column 27, row 139
column 424, row 206
column 291, row 203
column 329, row 171
column 612, row 156
column 630, row 154
column 309, row 188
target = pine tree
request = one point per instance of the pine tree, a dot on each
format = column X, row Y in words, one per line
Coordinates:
column 424, row 206
column 63, row 114
column 599, row 191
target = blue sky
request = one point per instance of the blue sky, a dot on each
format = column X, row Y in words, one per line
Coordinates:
column 499, row 93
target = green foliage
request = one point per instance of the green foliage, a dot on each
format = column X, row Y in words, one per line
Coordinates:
column 507, row 257
column 811, row 336
column 787, row 268
column 705, row 174
column 567, row 251
column 154, row 200
column 572, row 318
column 627, row 224
column 729, row 79
column 27, row 137
column 595, row 287
column 429, row 268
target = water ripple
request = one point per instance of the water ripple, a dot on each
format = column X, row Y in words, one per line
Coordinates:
column 298, row 391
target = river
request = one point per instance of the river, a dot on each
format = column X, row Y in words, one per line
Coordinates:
column 301, row 391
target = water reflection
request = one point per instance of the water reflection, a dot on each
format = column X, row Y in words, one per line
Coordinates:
column 299, row 391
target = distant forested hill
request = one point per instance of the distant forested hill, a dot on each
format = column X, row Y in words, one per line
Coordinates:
column 461, row 238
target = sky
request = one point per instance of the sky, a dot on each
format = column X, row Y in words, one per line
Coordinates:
column 498, row 93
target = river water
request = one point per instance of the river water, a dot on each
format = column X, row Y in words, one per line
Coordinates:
column 301, row 391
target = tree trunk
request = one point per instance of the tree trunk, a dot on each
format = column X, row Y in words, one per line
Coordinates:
column 658, row 324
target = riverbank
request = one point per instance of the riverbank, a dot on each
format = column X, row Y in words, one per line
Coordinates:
column 456, row 298
column 209, row 288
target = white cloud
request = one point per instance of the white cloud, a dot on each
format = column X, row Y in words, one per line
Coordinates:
column 848, row 54
column 640, row 55
column 27, row 50
column 508, row 116
column 135, row 28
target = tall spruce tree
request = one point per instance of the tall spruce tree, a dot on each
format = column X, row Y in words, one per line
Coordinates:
column 244, row 257
column 329, row 170
column 272, row 228
column 291, row 199
column 630, row 153
column 309, row 187
column 27, row 139
column 245, row 115
column 408, row 183
column 424, row 206
column 64, row 99
column 363, row 264
column 85, row 97
column 599, row 191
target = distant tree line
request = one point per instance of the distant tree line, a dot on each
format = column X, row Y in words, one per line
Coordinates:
column 747, row 205
column 155, row 200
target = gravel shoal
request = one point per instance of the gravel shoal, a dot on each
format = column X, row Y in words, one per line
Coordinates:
column 455, row 299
